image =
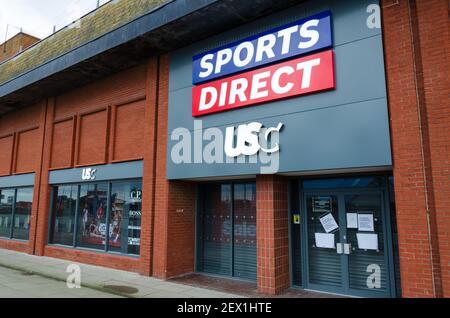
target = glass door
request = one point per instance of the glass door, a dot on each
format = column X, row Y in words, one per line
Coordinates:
column 347, row 250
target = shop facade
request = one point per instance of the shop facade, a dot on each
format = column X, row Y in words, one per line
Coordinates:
column 275, row 152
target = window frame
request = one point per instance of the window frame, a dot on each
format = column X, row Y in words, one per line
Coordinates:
column 74, row 245
column 13, row 214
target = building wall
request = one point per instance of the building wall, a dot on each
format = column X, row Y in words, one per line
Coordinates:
column 174, row 209
column 351, row 120
column 127, row 113
column 417, row 61
column 15, row 45
column 103, row 122
column 100, row 123
column 19, row 132
column 21, row 143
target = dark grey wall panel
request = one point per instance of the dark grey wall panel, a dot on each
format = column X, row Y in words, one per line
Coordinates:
column 345, row 128
column 20, row 180
column 116, row 171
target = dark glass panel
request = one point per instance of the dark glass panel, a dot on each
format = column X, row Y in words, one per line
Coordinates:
column 22, row 215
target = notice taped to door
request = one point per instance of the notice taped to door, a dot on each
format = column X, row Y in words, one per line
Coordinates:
column 365, row 222
column 328, row 222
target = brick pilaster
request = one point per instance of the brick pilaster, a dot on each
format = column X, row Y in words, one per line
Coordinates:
column 415, row 35
column 174, row 223
column 272, row 234
column 41, row 187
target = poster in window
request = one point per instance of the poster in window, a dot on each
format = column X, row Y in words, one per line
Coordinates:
column 321, row 204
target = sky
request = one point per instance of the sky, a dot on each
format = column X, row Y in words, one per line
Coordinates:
column 38, row 17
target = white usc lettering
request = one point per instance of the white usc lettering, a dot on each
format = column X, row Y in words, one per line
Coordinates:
column 247, row 142
column 88, row 174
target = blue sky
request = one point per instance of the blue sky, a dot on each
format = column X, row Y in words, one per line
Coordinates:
column 37, row 17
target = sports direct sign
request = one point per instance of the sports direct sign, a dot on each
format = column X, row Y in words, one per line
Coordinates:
column 284, row 79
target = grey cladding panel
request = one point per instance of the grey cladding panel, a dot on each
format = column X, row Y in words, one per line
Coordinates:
column 346, row 128
column 21, row 180
column 116, row 171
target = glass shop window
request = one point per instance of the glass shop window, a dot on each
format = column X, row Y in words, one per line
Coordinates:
column 102, row 216
column 91, row 231
column 6, row 211
column 64, row 204
column 15, row 213
column 22, row 215
column 125, row 218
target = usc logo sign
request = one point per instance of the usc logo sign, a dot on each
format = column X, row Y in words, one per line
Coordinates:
column 247, row 143
column 88, row 174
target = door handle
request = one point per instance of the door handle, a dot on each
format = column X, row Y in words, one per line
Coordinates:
column 339, row 248
column 347, row 248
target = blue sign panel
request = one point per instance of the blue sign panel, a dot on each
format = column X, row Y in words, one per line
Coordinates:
column 296, row 38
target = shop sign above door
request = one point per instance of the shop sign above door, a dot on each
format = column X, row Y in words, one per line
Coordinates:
column 285, row 79
column 88, row 174
column 299, row 37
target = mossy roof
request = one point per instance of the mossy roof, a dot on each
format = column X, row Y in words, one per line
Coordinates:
column 101, row 21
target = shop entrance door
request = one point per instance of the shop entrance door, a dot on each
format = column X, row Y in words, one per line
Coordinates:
column 226, row 229
column 347, row 247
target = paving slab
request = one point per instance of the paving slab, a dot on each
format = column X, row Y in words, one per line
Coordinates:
column 23, row 275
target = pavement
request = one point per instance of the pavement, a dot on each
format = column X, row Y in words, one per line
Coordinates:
column 24, row 275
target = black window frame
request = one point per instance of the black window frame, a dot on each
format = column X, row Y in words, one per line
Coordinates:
column 74, row 245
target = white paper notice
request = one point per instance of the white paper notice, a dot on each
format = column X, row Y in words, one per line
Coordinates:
column 324, row 240
column 328, row 222
column 352, row 220
column 365, row 222
column 367, row 241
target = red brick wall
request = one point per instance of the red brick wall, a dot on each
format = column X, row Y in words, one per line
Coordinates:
column 433, row 31
column 22, row 135
column 15, row 45
column 97, row 258
column 101, row 122
column 174, row 227
column 272, row 234
column 15, row 245
column 416, row 46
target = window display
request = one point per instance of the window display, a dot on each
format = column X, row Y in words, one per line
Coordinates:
column 91, row 232
column 125, row 219
column 108, row 212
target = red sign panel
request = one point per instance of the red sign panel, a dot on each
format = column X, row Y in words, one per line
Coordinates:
column 292, row 78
